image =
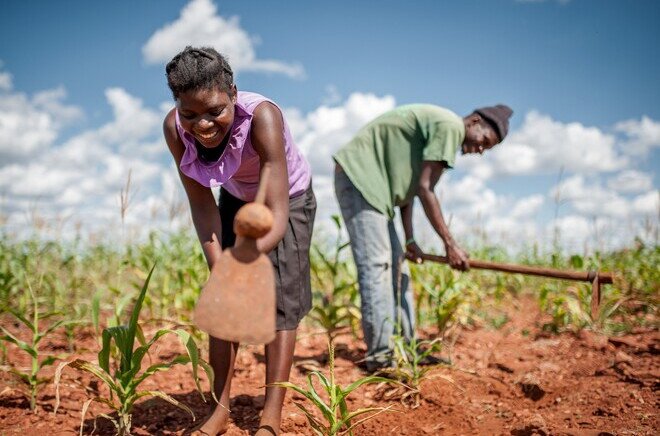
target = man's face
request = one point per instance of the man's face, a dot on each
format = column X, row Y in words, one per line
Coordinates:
column 479, row 137
column 208, row 114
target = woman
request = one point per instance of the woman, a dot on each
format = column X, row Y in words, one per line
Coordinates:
column 220, row 137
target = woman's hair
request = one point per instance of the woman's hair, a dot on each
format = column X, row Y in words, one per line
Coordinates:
column 199, row 68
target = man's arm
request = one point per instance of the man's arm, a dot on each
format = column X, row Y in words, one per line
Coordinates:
column 203, row 209
column 413, row 252
column 431, row 172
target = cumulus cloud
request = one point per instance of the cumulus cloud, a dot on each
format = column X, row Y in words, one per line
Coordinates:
column 527, row 206
column 647, row 204
column 544, row 146
column 631, row 181
column 79, row 180
column 200, row 25
column 321, row 132
column 642, row 135
column 5, row 81
column 29, row 125
column 590, row 198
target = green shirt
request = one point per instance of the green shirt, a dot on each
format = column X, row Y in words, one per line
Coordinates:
column 384, row 159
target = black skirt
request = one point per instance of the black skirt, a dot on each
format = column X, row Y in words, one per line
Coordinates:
column 290, row 258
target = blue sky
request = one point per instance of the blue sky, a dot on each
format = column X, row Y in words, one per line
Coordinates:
column 581, row 76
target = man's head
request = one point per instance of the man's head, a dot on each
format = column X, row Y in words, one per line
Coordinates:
column 485, row 128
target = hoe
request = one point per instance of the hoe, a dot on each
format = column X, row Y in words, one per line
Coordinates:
column 596, row 278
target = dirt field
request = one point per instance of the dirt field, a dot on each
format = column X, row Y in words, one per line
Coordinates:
column 511, row 381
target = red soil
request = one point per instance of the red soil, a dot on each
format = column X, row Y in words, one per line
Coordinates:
column 511, row 381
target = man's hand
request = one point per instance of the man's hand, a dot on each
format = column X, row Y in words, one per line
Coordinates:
column 458, row 259
column 414, row 253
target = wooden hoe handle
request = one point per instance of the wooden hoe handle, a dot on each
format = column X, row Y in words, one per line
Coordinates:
column 596, row 278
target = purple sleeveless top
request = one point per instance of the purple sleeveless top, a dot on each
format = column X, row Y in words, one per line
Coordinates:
column 237, row 170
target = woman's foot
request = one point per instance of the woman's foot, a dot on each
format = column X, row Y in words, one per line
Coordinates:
column 217, row 423
column 267, row 430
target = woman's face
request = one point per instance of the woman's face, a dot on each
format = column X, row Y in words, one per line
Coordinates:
column 207, row 114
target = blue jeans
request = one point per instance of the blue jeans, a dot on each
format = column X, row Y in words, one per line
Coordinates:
column 378, row 257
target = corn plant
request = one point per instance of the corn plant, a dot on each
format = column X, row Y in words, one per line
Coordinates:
column 126, row 374
column 31, row 379
column 337, row 307
column 409, row 370
column 176, row 289
column 443, row 294
column 337, row 419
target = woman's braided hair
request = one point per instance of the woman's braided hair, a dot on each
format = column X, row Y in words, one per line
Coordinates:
column 199, row 68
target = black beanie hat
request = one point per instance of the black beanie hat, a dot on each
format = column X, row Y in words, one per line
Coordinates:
column 498, row 117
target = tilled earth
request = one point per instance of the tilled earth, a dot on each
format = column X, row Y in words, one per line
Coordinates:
column 512, row 381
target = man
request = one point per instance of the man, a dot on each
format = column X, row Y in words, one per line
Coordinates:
column 396, row 157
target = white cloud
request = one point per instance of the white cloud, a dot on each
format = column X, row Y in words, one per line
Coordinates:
column 544, row 146
column 323, row 131
column 320, row 133
column 80, row 180
column 132, row 121
column 643, row 135
column 527, row 206
column 631, row 181
column 647, row 204
column 28, row 126
column 572, row 231
column 5, row 81
column 590, row 198
column 199, row 25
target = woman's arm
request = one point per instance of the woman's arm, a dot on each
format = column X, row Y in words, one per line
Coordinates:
column 267, row 136
column 203, row 209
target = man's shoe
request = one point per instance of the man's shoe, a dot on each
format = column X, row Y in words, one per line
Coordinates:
column 375, row 367
column 430, row 360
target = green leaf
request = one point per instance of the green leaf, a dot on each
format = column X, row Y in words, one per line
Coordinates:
column 60, row 323
column 193, row 354
column 20, row 344
column 289, row 385
column 316, row 399
column 120, row 335
column 179, row 360
column 319, row 428
column 22, row 377
column 138, row 355
column 96, row 309
column 132, row 324
column 48, row 361
column 23, row 319
column 365, row 380
column 577, row 261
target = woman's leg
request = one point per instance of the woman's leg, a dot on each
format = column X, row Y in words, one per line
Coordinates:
column 279, row 357
column 222, row 355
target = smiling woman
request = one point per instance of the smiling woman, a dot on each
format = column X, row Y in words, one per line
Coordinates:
column 222, row 137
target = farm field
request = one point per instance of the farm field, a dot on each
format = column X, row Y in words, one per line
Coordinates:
column 526, row 357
